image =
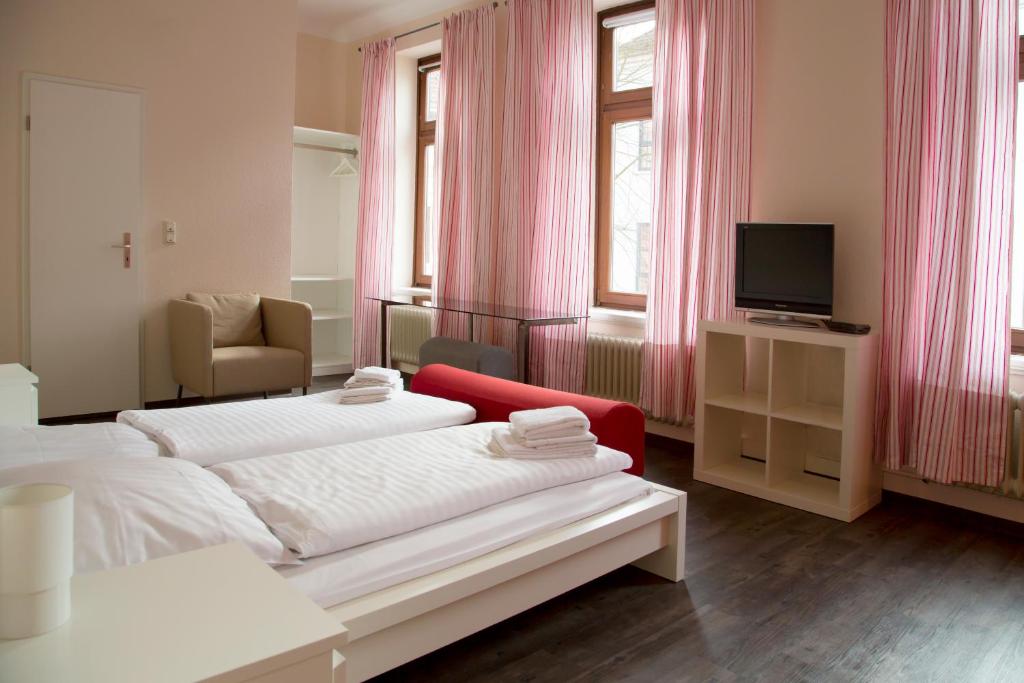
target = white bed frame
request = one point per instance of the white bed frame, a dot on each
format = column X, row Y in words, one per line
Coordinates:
column 398, row 624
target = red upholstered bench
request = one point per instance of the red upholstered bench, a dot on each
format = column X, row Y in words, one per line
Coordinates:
column 615, row 424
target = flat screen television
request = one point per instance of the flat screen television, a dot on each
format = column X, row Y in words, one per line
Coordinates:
column 785, row 269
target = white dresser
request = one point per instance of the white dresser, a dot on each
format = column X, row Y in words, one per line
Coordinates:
column 216, row 614
column 19, row 400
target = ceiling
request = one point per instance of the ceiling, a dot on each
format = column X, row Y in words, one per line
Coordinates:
column 351, row 20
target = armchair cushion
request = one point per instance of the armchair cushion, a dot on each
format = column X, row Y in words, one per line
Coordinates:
column 250, row 369
column 236, row 318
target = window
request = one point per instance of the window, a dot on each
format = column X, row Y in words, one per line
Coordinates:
column 1017, row 255
column 427, row 100
column 625, row 196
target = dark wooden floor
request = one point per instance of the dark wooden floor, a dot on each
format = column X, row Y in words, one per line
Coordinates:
column 911, row 591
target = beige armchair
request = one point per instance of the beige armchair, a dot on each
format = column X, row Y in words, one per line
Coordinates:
column 228, row 344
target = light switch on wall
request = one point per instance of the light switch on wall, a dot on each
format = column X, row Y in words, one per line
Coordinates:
column 170, row 232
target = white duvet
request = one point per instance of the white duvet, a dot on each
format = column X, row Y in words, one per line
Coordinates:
column 31, row 445
column 332, row 579
column 130, row 510
column 328, row 499
column 211, row 434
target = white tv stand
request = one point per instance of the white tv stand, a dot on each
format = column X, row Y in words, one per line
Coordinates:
column 787, row 414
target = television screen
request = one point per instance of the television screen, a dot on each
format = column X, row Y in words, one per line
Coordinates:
column 784, row 267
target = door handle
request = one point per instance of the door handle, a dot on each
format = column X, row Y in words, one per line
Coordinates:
column 126, row 247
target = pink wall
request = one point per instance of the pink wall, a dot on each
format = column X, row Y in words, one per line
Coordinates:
column 818, row 133
column 325, row 85
column 219, row 81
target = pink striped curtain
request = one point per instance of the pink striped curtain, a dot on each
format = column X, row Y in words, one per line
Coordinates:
column 464, row 158
column 375, row 229
column 703, row 83
column 951, row 79
column 525, row 58
column 543, row 255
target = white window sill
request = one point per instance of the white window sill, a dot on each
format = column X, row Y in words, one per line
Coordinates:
column 410, row 291
column 618, row 316
column 1017, row 365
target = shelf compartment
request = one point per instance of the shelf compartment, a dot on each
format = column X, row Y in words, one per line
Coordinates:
column 807, row 383
column 331, row 364
column 748, row 402
column 736, row 372
column 735, row 445
column 828, row 417
column 799, row 454
column 328, row 314
column 331, row 359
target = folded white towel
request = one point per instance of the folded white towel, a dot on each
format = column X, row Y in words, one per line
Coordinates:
column 353, row 400
column 356, row 383
column 549, row 423
column 364, row 391
column 364, row 394
column 584, row 438
column 504, row 445
column 379, row 374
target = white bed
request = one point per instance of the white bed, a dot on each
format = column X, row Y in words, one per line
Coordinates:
column 409, row 594
column 466, row 552
column 221, row 432
column 30, row 444
column 348, row 574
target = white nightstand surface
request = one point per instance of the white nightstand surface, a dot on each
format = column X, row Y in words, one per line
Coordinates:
column 13, row 373
column 216, row 612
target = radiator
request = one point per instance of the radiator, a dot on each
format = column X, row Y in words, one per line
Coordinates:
column 613, row 367
column 1013, row 479
column 410, row 327
column 1013, row 473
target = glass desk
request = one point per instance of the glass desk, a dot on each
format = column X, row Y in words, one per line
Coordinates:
column 525, row 318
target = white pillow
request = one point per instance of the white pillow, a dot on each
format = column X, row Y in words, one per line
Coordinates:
column 25, row 445
column 130, row 510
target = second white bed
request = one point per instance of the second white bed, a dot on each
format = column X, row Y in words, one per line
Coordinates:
column 222, row 432
column 348, row 574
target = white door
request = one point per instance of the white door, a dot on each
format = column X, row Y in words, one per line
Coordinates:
column 84, row 204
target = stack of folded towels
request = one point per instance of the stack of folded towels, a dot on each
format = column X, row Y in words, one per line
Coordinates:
column 371, row 385
column 560, row 432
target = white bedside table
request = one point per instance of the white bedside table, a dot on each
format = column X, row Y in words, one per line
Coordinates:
column 19, row 400
column 216, row 614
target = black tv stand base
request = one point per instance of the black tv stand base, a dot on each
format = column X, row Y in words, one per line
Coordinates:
column 783, row 321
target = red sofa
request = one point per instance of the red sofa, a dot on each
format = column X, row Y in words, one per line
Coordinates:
column 615, row 424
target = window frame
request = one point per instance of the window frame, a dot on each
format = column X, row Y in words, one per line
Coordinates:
column 613, row 107
column 426, row 134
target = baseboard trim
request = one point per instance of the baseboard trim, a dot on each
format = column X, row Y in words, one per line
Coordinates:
column 991, row 504
column 677, row 432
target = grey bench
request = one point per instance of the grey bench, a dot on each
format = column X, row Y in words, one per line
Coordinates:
column 483, row 358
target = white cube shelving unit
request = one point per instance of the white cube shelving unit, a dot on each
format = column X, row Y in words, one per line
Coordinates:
column 787, row 414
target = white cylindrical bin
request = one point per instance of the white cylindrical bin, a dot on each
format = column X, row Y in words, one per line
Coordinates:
column 36, row 558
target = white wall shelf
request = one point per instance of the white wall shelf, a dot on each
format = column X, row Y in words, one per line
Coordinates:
column 787, row 415
column 329, row 314
column 324, row 208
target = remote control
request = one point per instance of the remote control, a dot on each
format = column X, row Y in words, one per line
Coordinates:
column 847, row 328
